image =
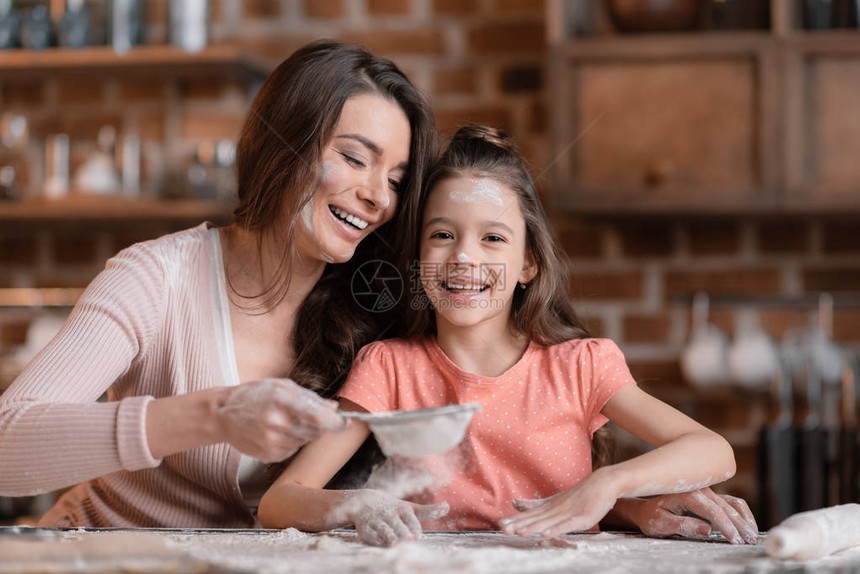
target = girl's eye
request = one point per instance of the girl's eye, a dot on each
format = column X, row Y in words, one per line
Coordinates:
column 441, row 235
column 395, row 185
column 494, row 238
column 352, row 160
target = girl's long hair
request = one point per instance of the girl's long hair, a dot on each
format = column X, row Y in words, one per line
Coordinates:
column 291, row 120
column 542, row 311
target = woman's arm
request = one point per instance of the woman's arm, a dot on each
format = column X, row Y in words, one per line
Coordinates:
column 53, row 433
column 269, row 419
column 688, row 457
column 688, row 514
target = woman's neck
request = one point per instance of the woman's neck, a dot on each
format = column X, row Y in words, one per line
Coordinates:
column 251, row 268
column 484, row 352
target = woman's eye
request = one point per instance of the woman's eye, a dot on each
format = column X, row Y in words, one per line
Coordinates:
column 395, row 185
column 441, row 235
column 352, row 160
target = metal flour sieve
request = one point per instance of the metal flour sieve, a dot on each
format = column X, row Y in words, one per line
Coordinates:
column 419, row 432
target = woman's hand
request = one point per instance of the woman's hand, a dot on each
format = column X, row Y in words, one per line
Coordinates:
column 383, row 520
column 669, row 515
column 579, row 508
column 271, row 419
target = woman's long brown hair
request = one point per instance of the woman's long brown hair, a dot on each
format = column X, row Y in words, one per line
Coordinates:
column 292, row 118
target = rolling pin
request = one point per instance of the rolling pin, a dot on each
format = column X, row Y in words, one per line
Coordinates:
column 816, row 533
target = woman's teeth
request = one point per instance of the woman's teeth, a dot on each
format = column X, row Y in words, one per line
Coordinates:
column 356, row 222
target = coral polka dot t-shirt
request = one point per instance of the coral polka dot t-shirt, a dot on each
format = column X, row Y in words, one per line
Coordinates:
column 532, row 438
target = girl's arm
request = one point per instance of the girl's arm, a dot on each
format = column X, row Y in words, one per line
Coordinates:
column 688, row 457
column 297, row 499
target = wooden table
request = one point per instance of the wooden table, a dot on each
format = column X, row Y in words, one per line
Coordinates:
column 245, row 551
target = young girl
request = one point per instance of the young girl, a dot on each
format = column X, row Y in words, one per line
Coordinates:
column 501, row 332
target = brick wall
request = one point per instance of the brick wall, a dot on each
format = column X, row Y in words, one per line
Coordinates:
column 482, row 61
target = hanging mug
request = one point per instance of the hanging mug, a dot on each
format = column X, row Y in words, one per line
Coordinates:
column 753, row 356
column 704, row 360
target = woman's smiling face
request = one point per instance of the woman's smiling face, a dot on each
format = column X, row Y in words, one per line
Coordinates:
column 359, row 174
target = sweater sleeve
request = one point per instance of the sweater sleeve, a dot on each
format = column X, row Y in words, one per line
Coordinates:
column 53, row 433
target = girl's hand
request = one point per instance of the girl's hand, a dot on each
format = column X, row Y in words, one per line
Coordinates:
column 271, row 419
column 579, row 508
column 668, row 515
column 383, row 520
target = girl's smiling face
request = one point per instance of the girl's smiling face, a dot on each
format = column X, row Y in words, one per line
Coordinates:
column 473, row 250
column 359, row 174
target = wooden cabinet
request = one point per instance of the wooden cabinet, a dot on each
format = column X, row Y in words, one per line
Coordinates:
column 704, row 122
column 822, row 120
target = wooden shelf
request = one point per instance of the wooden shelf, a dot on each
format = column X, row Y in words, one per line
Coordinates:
column 651, row 46
column 100, row 208
column 620, row 204
column 160, row 60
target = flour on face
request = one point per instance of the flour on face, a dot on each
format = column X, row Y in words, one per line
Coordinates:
column 482, row 191
column 308, row 215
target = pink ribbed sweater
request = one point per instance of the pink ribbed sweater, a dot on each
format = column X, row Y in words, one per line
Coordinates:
column 145, row 328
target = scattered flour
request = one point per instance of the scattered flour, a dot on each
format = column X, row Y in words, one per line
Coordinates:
column 291, row 551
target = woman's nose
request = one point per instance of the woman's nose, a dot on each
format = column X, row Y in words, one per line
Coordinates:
column 375, row 192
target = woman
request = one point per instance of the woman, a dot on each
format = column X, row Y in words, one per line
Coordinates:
column 335, row 141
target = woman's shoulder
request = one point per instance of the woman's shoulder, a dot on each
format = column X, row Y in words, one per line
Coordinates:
column 195, row 238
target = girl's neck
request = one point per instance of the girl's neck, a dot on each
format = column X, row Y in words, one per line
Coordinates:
column 484, row 352
column 251, row 268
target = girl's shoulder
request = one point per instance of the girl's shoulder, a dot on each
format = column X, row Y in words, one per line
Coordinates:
column 393, row 349
column 586, row 345
column 592, row 348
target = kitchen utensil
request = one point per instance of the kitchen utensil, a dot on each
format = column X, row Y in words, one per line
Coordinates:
column 825, row 355
column 131, row 166
column 811, row 535
column 57, row 166
column 652, row 15
column 36, row 28
column 735, row 14
column 704, row 362
column 752, row 357
column 189, row 24
column 74, row 27
column 418, row 432
column 812, row 442
column 98, row 175
column 10, row 25
column 126, row 24
column 848, row 447
column 776, row 457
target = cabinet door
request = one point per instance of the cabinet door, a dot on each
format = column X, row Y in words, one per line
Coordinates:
column 655, row 131
column 823, row 119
